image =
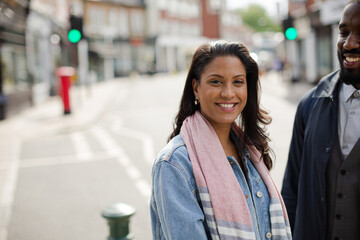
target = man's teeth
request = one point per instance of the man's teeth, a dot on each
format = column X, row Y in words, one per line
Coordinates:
column 226, row 105
column 350, row 59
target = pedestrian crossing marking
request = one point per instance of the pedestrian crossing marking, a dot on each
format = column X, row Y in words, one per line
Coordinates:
column 83, row 151
column 147, row 141
column 113, row 149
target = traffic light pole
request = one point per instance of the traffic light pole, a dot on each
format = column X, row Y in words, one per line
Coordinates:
column 2, row 96
column 83, row 59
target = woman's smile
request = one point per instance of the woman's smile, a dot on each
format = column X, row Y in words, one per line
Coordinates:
column 227, row 107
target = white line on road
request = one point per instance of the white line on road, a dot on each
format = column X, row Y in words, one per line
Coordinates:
column 7, row 195
column 82, row 149
column 111, row 146
column 106, row 141
column 147, row 141
column 143, row 186
column 124, row 160
column 117, row 125
column 133, row 172
column 56, row 160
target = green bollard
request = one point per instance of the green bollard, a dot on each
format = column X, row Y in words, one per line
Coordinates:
column 118, row 218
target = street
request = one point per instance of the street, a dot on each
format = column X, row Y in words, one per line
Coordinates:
column 64, row 178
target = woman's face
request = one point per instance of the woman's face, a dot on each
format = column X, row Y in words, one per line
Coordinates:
column 222, row 91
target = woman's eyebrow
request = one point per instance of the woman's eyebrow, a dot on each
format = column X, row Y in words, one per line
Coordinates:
column 215, row 75
column 239, row 75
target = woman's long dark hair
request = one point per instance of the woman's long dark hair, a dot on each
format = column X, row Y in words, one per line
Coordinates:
column 253, row 118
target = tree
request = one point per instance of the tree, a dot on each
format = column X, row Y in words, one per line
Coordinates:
column 256, row 17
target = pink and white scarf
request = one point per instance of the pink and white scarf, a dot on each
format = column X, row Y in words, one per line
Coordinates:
column 224, row 204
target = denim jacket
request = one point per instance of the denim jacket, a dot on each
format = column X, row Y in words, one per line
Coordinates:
column 176, row 211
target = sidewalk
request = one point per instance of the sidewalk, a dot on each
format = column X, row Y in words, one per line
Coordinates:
column 87, row 106
column 284, row 88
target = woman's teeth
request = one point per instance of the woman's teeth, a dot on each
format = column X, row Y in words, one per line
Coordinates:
column 226, row 105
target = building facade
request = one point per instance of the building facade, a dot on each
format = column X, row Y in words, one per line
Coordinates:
column 177, row 27
column 180, row 26
column 31, row 33
column 313, row 53
column 46, row 44
column 116, row 32
column 15, row 82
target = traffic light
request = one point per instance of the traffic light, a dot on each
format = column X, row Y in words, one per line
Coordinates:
column 291, row 33
column 75, row 33
column 289, row 30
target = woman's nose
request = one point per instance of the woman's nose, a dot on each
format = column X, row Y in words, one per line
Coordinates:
column 227, row 92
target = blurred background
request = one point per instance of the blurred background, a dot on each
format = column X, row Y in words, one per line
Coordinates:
column 76, row 140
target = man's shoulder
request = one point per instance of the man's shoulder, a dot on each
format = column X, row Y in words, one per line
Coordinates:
column 327, row 85
column 324, row 88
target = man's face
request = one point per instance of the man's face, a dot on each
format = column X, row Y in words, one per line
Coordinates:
column 349, row 45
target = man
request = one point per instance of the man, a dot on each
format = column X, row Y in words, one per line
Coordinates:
column 321, row 187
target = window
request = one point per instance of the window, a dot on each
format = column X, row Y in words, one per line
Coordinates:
column 137, row 22
column 123, row 23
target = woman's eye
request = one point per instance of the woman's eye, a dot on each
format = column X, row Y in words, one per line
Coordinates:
column 215, row 81
column 238, row 82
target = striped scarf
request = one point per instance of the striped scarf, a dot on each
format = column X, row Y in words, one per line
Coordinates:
column 224, row 204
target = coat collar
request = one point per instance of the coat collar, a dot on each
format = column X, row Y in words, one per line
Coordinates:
column 348, row 91
column 328, row 85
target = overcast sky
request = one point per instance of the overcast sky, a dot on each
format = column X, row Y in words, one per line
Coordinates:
column 269, row 5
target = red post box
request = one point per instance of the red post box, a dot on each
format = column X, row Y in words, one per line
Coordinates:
column 65, row 75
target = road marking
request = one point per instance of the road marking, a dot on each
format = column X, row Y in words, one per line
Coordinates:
column 144, row 188
column 56, row 160
column 111, row 146
column 7, row 194
column 124, row 160
column 83, row 151
column 133, row 172
column 147, row 141
column 117, row 125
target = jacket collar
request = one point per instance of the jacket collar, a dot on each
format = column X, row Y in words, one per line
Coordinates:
column 348, row 91
column 328, row 85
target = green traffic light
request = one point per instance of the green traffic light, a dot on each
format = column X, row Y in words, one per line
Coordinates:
column 291, row 33
column 74, row 35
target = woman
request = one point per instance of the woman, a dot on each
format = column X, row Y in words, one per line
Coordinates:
column 211, row 181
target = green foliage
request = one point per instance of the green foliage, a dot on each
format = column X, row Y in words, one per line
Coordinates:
column 256, row 17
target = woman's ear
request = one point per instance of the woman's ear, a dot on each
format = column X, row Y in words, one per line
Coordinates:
column 195, row 86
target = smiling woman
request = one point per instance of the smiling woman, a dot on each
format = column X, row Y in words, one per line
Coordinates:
column 222, row 91
column 211, row 181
